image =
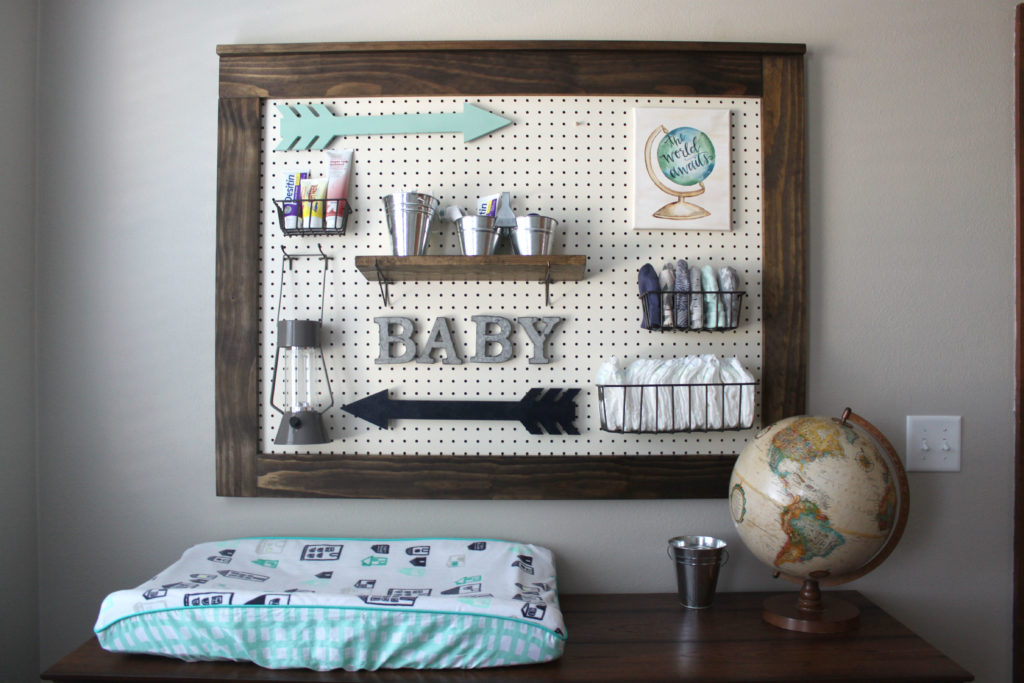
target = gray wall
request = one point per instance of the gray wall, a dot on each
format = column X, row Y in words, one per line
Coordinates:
column 19, row 608
column 911, row 279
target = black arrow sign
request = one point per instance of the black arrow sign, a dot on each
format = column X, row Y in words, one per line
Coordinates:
column 547, row 408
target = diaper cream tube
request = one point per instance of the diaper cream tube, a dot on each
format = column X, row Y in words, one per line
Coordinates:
column 314, row 191
column 488, row 205
column 339, row 168
column 293, row 197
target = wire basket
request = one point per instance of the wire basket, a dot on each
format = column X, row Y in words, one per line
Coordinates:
column 728, row 306
column 674, row 408
column 290, row 214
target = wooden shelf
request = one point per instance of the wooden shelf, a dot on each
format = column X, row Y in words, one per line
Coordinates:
column 500, row 267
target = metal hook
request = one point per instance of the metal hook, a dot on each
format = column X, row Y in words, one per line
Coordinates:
column 547, row 286
column 287, row 257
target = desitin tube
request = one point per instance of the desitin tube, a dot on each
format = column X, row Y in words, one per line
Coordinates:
column 293, row 198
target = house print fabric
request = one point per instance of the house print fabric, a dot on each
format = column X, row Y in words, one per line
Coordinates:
column 347, row 604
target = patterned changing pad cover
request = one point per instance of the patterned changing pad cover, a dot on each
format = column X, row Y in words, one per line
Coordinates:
column 330, row 603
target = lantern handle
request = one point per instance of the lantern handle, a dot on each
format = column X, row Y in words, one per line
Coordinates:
column 289, row 259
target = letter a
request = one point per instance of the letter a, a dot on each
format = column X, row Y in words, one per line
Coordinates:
column 440, row 338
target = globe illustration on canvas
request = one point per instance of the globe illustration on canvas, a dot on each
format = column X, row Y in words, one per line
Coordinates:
column 818, row 501
column 686, row 156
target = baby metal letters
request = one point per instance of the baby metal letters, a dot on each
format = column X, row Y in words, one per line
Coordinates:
column 491, row 331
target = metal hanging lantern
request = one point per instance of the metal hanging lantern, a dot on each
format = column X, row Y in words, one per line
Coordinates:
column 300, row 366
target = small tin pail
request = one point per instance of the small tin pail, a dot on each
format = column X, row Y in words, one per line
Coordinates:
column 697, row 559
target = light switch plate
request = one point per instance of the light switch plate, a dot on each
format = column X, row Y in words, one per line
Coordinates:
column 933, row 443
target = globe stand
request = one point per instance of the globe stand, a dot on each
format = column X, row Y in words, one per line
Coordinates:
column 682, row 210
column 811, row 612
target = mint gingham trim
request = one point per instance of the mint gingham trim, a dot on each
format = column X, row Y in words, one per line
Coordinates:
column 325, row 638
column 555, row 634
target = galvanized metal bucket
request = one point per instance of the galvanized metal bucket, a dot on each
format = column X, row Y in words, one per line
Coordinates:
column 532, row 235
column 697, row 560
column 410, row 216
column 478, row 235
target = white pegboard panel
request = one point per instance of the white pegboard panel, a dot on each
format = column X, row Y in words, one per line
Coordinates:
column 565, row 157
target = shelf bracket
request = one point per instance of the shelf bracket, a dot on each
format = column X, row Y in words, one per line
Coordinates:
column 384, row 285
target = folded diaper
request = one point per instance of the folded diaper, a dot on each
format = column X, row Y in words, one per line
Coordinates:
column 611, row 376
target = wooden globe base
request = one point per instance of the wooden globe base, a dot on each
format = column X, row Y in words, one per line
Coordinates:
column 811, row 612
column 681, row 210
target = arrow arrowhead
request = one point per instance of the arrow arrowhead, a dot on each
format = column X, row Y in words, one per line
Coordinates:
column 568, row 395
column 375, row 408
column 478, row 122
column 549, row 409
column 551, row 425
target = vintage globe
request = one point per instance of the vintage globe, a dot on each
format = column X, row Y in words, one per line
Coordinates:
column 815, row 498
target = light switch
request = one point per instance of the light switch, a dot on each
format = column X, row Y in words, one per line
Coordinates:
column 933, row 443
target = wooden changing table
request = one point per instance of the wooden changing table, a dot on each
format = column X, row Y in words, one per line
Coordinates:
column 622, row 637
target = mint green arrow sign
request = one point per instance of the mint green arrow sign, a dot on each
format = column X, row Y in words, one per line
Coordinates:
column 313, row 126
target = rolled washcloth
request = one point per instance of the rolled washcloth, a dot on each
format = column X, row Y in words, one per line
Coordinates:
column 712, row 301
column 647, row 279
column 727, row 280
column 696, row 299
column 667, row 282
column 682, row 289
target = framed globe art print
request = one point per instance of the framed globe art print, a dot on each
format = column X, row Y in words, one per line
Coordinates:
column 681, row 169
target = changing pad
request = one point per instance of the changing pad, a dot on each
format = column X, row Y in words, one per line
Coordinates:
column 330, row 603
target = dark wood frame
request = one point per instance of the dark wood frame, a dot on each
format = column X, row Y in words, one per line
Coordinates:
column 249, row 74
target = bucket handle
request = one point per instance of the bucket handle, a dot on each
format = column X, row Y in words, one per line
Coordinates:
column 725, row 555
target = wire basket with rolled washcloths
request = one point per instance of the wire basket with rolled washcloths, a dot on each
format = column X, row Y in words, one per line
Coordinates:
column 684, row 297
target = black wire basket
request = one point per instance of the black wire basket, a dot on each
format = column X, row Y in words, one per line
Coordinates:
column 290, row 214
column 675, row 408
column 654, row 303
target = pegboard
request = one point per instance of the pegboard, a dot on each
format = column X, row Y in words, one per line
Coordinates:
column 570, row 158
